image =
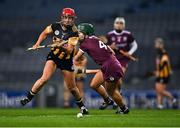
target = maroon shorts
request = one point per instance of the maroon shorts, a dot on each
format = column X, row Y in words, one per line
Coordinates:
column 112, row 70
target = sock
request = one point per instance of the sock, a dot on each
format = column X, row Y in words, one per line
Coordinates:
column 30, row 95
column 80, row 103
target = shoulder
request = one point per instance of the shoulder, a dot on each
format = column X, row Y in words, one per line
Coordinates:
column 126, row 32
column 85, row 43
column 129, row 35
column 92, row 38
column 55, row 25
column 110, row 32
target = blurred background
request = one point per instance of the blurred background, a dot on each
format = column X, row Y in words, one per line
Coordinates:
column 22, row 21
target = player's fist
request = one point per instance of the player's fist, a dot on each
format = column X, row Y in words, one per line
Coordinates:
column 35, row 46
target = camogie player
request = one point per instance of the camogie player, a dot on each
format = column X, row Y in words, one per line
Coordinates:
column 162, row 73
column 111, row 70
column 120, row 40
column 59, row 57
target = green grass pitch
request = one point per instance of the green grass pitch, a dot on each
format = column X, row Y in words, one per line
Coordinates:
column 97, row 118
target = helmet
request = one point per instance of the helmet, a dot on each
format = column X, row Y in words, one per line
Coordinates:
column 68, row 12
column 119, row 24
column 119, row 19
column 86, row 28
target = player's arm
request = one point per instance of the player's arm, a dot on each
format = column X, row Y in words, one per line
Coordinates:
column 165, row 61
column 82, row 67
column 113, row 46
column 86, row 71
column 78, row 56
column 84, row 61
column 43, row 36
column 133, row 48
column 169, row 65
column 92, row 71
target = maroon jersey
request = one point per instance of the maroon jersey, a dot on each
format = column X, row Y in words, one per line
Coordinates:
column 122, row 41
column 96, row 49
column 101, row 54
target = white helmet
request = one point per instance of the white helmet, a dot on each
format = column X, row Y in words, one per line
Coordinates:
column 119, row 19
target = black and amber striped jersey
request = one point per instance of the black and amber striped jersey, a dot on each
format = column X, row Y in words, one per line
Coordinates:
column 61, row 33
column 163, row 66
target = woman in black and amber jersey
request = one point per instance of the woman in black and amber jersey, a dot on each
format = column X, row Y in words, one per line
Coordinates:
column 59, row 57
column 162, row 73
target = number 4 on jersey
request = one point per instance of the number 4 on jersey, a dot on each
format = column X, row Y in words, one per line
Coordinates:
column 102, row 45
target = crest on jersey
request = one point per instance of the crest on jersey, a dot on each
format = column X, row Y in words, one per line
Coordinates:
column 113, row 38
column 124, row 38
column 56, row 32
column 111, row 78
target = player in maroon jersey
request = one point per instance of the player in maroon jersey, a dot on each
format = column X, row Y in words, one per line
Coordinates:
column 111, row 70
column 120, row 39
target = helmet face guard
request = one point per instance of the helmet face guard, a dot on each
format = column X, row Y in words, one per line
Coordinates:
column 68, row 16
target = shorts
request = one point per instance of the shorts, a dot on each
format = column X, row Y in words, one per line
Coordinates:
column 62, row 64
column 112, row 70
column 164, row 80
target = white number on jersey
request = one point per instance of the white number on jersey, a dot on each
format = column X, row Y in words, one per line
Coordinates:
column 102, row 45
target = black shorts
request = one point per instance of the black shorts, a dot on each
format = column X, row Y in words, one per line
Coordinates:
column 63, row 64
column 163, row 80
